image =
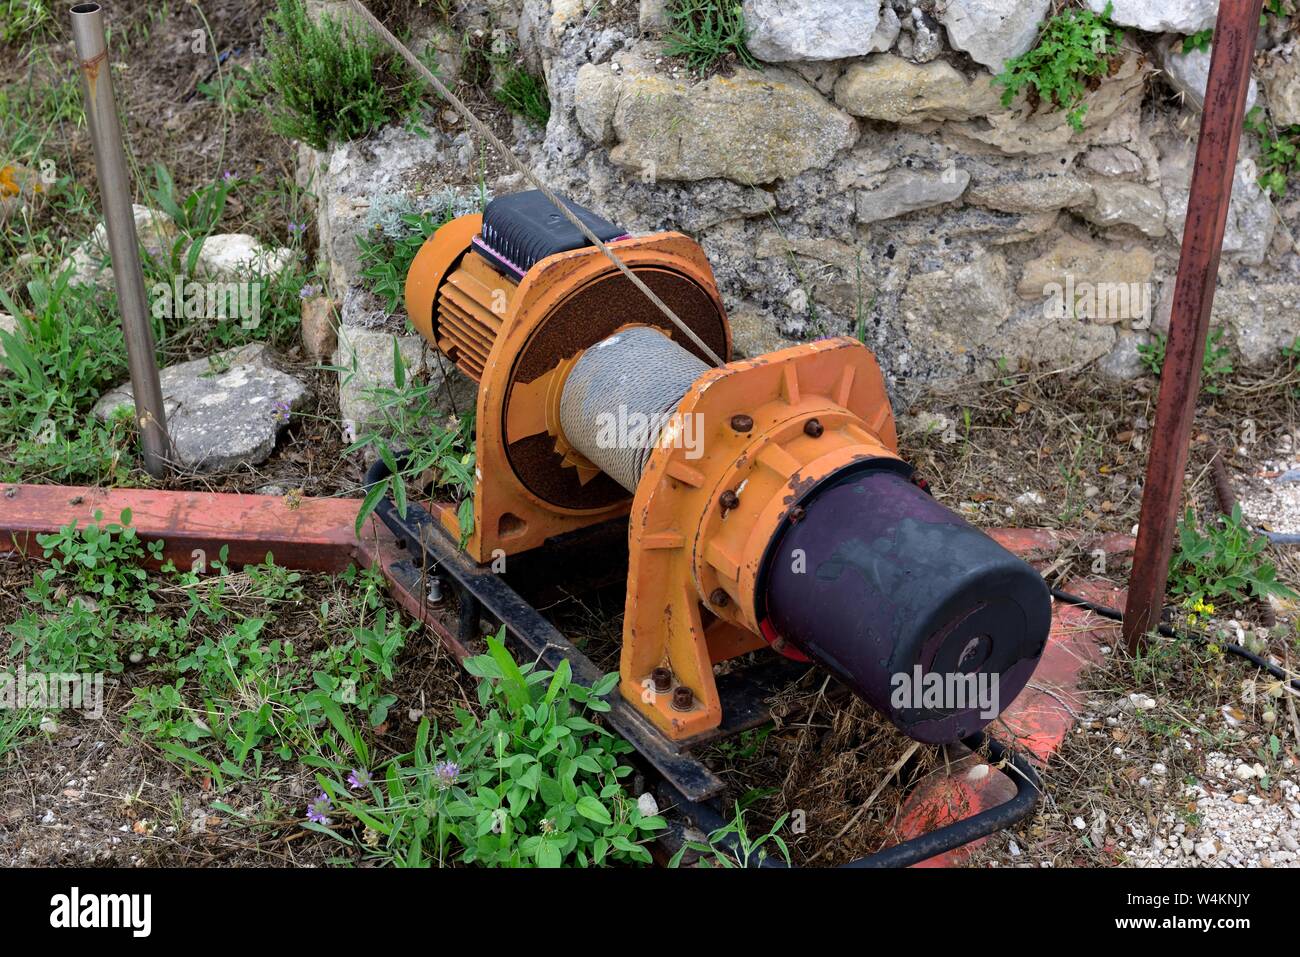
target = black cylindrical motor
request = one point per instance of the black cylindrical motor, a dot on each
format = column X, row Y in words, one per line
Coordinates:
column 931, row 621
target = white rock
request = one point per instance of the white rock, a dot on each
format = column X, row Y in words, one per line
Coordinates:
column 1161, row 16
column 647, row 805
column 994, row 31
column 1206, row 849
column 780, row 31
column 235, row 256
column 1244, row 772
column 10, row 325
column 1189, row 74
column 1031, row 498
column 1281, row 76
column 1159, row 768
column 906, row 191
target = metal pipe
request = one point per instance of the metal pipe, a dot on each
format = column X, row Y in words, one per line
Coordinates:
column 1189, row 323
column 119, row 223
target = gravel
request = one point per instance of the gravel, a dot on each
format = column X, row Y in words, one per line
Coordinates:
column 1234, row 824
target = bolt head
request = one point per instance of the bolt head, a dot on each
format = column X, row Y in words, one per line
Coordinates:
column 683, row 698
column 661, row 679
column 729, row 500
column 813, row 428
column 742, row 422
column 719, row 598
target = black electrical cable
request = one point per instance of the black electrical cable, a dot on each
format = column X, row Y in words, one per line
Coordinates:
column 1169, row 632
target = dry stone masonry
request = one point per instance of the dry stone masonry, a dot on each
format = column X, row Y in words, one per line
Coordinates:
column 868, row 176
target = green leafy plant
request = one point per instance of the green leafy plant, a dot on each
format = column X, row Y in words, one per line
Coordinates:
column 533, row 782
column 706, row 32
column 327, row 84
column 1075, row 47
column 523, row 93
column 1199, row 41
column 1279, row 150
column 234, row 88
column 24, row 19
column 385, row 258
column 417, row 441
column 1223, row 560
column 1216, row 365
column 731, row 846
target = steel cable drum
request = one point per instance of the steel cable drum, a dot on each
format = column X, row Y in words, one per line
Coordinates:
column 925, row 617
column 621, row 396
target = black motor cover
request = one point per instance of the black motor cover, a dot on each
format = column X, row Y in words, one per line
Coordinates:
column 524, row 228
column 893, row 593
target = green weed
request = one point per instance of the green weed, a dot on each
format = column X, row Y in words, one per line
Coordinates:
column 1224, row 560
column 705, row 32
column 1074, row 47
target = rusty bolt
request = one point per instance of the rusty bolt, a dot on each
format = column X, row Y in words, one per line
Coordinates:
column 719, row 598
column 742, row 422
column 729, row 500
column 797, row 513
column 662, row 680
column 813, row 428
column 683, row 698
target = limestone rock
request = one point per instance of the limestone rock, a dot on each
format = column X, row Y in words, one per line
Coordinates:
column 1122, row 203
column 1189, row 73
column 1251, row 219
column 1032, row 194
column 751, row 127
column 347, row 178
column 779, row 31
column 1082, row 278
column 887, row 87
column 652, row 17
column 223, row 411
column 1111, row 116
column 994, row 31
column 595, row 96
column 1260, row 312
column 960, row 306
column 319, row 331
column 366, row 356
column 754, row 334
column 1281, row 76
column 1116, row 161
column 90, row 261
column 236, row 256
column 1123, row 363
column 887, row 30
column 1161, row 16
column 905, row 191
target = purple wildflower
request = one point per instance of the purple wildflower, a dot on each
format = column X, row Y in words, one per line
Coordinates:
column 282, row 412
column 317, row 809
column 228, row 175
column 359, row 778
column 297, row 228
column 306, row 292
column 447, row 772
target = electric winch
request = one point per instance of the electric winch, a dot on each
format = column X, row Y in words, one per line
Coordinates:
column 766, row 501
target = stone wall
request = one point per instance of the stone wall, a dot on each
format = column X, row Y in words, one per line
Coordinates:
column 869, row 173
column 868, row 177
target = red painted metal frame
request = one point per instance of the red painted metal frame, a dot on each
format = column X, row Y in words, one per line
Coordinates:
column 1198, row 268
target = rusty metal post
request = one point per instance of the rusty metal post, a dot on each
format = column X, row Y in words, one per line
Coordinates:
column 1198, row 268
column 119, row 224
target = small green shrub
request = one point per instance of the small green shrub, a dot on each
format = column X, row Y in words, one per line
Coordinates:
column 1074, row 47
column 705, row 32
column 1198, row 41
column 521, row 92
column 1279, row 151
column 1224, row 560
column 1215, row 367
column 328, row 84
column 416, row 439
column 730, row 846
column 386, row 256
column 532, row 783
